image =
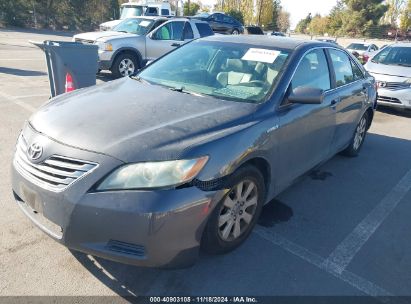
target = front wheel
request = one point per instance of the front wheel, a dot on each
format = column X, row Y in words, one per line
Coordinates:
column 235, row 32
column 235, row 216
column 124, row 65
column 358, row 139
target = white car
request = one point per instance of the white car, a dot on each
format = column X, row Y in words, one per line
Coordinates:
column 362, row 50
column 391, row 68
column 135, row 41
column 136, row 9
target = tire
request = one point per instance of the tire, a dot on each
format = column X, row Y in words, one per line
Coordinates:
column 232, row 221
column 235, row 32
column 358, row 138
column 124, row 65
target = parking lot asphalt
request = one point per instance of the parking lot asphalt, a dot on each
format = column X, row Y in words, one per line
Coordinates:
column 343, row 229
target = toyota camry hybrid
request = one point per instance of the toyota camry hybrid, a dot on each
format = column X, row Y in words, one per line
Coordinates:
column 149, row 169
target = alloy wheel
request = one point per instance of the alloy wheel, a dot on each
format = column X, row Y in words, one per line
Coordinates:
column 360, row 133
column 238, row 210
column 126, row 67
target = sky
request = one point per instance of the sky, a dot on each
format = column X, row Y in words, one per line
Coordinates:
column 299, row 9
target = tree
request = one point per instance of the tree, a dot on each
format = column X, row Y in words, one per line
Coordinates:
column 394, row 11
column 275, row 15
column 362, row 15
column 190, row 9
column 406, row 17
column 319, row 25
column 283, row 21
column 335, row 19
column 303, row 25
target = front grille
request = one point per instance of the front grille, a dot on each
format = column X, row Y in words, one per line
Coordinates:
column 389, row 99
column 84, row 41
column 55, row 173
column 395, row 85
column 126, row 248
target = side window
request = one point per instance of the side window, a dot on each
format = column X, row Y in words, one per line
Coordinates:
column 227, row 19
column 204, row 29
column 312, row 72
column 358, row 74
column 165, row 12
column 170, row 31
column 151, row 11
column 342, row 67
column 188, row 32
column 218, row 17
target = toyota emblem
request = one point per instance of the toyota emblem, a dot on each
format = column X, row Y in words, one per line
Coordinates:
column 35, row 151
column 382, row 84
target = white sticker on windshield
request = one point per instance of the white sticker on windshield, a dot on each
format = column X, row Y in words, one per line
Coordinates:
column 261, row 55
column 144, row 23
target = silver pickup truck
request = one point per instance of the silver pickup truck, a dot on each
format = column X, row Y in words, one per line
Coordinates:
column 135, row 41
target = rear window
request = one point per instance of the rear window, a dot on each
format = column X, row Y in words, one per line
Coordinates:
column 204, row 29
column 165, row 12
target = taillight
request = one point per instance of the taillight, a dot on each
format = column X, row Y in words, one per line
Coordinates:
column 69, row 83
column 365, row 58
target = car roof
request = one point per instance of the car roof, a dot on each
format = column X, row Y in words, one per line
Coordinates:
column 148, row 17
column 265, row 40
column 401, row 44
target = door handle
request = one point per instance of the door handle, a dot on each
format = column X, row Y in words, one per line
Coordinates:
column 176, row 44
column 334, row 103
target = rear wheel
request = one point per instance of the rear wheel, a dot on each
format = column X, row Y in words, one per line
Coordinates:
column 358, row 139
column 237, row 213
column 124, row 65
column 235, row 32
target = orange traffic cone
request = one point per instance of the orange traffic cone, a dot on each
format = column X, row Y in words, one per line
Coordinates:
column 69, row 83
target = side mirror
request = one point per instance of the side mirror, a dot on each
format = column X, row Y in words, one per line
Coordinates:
column 306, row 95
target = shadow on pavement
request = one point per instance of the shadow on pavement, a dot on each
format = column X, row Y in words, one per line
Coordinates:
column 394, row 111
column 19, row 72
column 378, row 154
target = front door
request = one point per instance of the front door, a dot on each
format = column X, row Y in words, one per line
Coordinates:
column 164, row 39
column 306, row 130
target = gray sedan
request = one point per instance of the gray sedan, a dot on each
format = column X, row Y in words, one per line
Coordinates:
column 148, row 169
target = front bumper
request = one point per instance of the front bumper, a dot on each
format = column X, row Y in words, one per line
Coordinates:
column 395, row 98
column 144, row 228
column 105, row 60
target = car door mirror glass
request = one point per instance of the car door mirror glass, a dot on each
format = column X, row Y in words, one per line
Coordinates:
column 306, row 95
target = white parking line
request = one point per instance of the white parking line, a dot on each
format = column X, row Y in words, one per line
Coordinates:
column 352, row 279
column 21, row 59
column 17, row 102
column 341, row 257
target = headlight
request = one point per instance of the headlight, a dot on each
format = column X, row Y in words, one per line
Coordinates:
column 105, row 46
column 408, row 81
column 153, row 174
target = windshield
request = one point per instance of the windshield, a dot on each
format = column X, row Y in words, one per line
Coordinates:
column 202, row 15
column 131, row 11
column 394, row 56
column 232, row 71
column 358, row 47
column 139, row 26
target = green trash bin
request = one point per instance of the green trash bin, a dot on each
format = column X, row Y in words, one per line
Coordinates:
column 70, row 65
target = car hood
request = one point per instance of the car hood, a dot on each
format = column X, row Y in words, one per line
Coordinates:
column 111, row 24
column 132, row 121
column 359, row 52
column 390, row 70
column 102, row 36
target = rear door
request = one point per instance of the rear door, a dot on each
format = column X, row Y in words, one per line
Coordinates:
column 306, row 130
column 164, row 39
column 352, row 91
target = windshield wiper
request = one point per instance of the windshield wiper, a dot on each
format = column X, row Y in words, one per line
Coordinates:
column 402, row 64
column 138, row 78
column 183, row 90
column 122, row 31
